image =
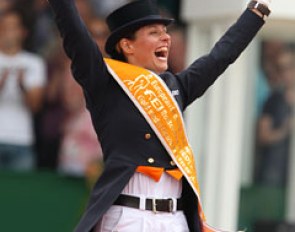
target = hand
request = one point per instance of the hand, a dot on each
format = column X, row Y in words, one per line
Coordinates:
column 3, row 78
column 20, row 80
column 265, row 2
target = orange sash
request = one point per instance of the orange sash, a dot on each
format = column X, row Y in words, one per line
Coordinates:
column 155, row 102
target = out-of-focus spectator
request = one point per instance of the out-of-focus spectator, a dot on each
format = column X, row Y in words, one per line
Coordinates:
column 104, row 7
column 99, row 32
column 80, row 153
column 25, row 7
column 38, row 18
column 268, row 76
column 22, row 78
column 79, row 146
column 85, row 9
column 5, row 5
column 275, row 124
column 271, row 50
column 178, row 48
column 177, row 31
column 173, row 6
column 44, row 34
column 49, row 120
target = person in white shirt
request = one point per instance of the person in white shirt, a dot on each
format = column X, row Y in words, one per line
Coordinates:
column 22, row 80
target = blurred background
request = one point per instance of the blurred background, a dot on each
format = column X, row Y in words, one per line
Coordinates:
column 242, row 130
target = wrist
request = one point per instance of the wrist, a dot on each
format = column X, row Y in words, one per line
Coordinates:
column 258, row 13
column 259, row 8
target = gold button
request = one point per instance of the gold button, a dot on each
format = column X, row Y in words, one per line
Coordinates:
column 172, row 163
column 151, row 160
column 147, row 136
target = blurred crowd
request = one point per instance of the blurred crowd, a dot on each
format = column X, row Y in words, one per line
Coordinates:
column 43, row 120
column 276, row 99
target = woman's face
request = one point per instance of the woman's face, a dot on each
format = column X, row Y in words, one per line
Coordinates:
column 150, row 48
column 12, row 32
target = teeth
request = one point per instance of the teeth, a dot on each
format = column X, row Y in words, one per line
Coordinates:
column 162, row 53
column 164, row 49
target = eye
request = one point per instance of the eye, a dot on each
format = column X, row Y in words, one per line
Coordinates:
column 153, row 32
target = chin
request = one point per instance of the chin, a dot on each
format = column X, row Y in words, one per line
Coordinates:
column 161, row 68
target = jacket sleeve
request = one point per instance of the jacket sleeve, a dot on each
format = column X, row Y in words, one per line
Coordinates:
column 201, row 74
column 88, row 66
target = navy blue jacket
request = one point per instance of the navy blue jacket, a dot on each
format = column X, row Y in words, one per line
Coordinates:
column 119, row 125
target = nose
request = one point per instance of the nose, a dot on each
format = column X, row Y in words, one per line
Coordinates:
column 165, row 37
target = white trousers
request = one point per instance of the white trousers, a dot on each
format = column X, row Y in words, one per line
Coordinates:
column 125, row 219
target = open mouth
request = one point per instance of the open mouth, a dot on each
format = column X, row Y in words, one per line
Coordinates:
column 162, row 53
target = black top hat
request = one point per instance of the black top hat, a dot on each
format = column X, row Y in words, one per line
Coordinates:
column 131, row 17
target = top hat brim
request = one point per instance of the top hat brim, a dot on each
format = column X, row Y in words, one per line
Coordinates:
column 122, row 31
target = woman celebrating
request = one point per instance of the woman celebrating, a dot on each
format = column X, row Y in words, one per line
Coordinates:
column 149, row 182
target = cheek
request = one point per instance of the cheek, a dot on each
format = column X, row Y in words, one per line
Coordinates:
column 145, row 51
column 148, row 47
column 13, row 33
column 147, row 44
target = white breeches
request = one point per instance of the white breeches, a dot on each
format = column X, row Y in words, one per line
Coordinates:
column 125, row 219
